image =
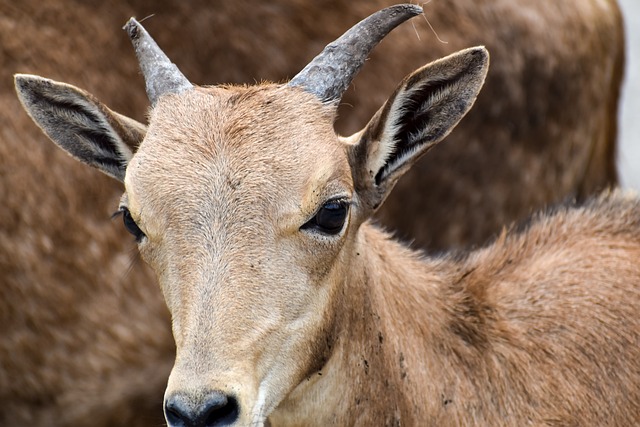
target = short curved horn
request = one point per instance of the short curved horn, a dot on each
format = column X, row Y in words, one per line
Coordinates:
column 161, row 76
column 329, row 74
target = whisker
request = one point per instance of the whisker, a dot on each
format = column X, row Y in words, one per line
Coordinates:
column 147, row 17
column 424, row 15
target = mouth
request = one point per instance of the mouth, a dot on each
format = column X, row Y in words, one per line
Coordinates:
column 260, row 410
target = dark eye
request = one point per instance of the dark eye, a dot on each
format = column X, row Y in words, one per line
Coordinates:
column 330, row 218
column 131, row 225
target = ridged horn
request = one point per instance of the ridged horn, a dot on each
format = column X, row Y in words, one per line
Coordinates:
column 161, row 76
column 329, row 74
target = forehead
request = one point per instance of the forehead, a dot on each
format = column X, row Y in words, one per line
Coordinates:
column 269, row 137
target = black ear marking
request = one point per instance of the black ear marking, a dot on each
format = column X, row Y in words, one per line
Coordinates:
column 418, row 116
column 101, row 153
column 80, row 124
column 81, row 131
column 423, row 105
column 423, row 109
column 417, row 123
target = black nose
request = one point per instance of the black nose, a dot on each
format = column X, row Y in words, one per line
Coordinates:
column 215, row 410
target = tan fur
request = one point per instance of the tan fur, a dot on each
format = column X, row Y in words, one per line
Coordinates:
column 538, row 328
column 533, row 330
column 84, row 336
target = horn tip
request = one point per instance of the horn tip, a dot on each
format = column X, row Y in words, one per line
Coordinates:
column 132, row 28
column 412, row 9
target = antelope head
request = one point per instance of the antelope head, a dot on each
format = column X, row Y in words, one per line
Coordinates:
column 249, row 207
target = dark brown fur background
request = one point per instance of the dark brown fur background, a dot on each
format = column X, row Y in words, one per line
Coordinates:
column 85, row 336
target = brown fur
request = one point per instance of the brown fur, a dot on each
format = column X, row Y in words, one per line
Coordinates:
column 533, row 330
column 538, row 328
column 65, row 269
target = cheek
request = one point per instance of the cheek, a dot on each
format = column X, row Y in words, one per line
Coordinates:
column 309, row 290
column 309, row 294
column 147, row 254
column 162, row 270
column 318, row 256
column 295, row 282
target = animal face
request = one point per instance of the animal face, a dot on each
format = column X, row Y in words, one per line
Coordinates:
column 247, row 205
column 246, row 201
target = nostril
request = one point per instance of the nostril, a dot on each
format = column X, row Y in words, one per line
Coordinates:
column 215, row 410
column 176, row 413
column 221, row 413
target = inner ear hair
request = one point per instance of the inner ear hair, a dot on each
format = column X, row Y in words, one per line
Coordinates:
column 426, row 106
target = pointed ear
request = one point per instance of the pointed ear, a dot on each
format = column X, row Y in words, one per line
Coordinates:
column 424, row 108
column 80, row 124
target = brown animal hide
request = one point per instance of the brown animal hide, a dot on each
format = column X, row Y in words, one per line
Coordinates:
column 85, row 336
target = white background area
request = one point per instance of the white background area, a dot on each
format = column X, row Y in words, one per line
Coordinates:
column 629, row 133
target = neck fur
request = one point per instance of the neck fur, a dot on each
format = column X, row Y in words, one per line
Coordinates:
column 388, row 314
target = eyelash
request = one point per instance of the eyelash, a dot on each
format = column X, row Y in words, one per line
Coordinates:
column 129, row 224
column 330, row 218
